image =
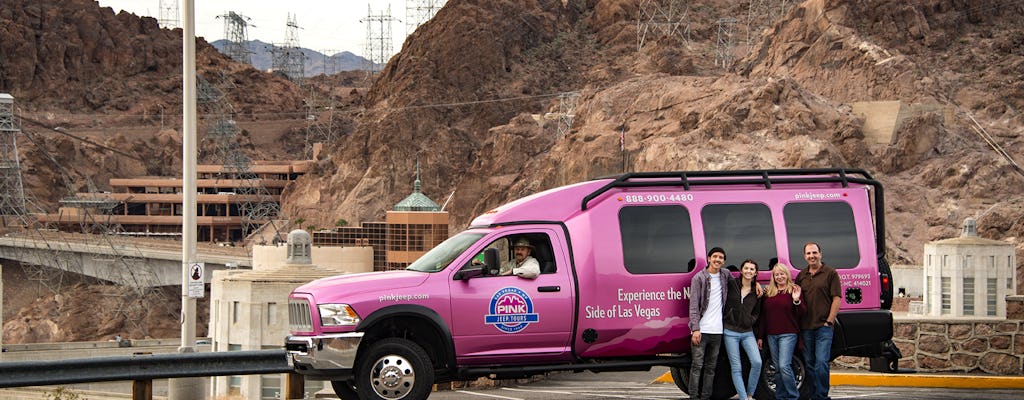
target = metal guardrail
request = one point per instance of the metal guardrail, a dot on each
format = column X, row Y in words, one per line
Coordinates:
column 142, row 367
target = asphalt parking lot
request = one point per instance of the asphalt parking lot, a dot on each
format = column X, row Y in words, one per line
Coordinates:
column 652, row 385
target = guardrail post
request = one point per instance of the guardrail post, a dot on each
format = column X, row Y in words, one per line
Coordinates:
column 142, row 389
column 295, row 387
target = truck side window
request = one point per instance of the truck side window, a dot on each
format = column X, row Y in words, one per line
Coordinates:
column 541, row 251
column 656, row 239
column 743, row 230
column 828, row 223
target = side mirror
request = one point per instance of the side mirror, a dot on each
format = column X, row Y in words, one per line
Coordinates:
column 491, row 265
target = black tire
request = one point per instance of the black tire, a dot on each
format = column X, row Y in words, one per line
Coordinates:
column 345, row 390
column 766, row 385
column 723, row 388
column 394, row 369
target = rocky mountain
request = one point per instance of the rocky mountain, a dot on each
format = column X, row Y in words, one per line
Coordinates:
column 316, row 63
column 463, row 96
column 478, row 93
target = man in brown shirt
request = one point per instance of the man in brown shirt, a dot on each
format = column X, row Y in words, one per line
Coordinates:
column 822, row 291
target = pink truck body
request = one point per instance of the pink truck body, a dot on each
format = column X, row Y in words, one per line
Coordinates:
column 617, row 257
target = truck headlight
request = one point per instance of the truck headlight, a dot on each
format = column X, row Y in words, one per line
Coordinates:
column 337, row 315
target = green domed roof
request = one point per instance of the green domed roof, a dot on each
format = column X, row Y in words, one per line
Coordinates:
column 417, row 201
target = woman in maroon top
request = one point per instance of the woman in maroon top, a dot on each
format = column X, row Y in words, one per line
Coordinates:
column 782, row 309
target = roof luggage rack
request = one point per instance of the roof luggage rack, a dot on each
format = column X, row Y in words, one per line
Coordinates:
column 765, row 177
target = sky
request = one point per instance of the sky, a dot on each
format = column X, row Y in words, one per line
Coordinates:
column 323, row 24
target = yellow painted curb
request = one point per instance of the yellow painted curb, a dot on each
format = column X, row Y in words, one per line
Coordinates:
column 929, row 380
column 912, row 380
column 664, row 378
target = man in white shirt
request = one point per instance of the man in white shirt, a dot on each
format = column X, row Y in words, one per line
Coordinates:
column 708, row 292
column 523, row 265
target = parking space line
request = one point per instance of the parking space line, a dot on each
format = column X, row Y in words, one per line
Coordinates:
column 489, row 395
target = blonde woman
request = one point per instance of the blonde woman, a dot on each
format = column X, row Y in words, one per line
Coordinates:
column 781, row 311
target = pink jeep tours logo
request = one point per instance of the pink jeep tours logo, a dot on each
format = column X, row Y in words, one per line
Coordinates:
column 511, row 310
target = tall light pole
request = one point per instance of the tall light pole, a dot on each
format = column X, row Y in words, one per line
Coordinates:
column 187, row 388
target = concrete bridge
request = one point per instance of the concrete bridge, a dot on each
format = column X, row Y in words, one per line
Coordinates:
column 136, row 262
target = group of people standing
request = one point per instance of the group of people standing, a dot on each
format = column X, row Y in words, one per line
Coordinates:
column 744, row 315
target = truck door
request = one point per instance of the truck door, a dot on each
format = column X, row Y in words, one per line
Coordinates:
column 510, row 319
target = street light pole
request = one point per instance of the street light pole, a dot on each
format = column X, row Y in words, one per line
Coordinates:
column 188, row 388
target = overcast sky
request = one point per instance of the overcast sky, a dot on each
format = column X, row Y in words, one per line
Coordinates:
column 324, row 24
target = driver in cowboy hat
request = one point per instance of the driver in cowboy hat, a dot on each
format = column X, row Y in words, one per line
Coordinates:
column 523, row 265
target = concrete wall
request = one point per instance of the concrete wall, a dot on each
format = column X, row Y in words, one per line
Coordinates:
column 880, row 118
column 343, row 259
column 990, row 346
column 958, row 261
column 883, row 118
column 909, row 277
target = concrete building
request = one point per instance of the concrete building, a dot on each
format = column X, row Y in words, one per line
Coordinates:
column 151, row 206
column 413, row 226
column 968, row 276
column 249, row 311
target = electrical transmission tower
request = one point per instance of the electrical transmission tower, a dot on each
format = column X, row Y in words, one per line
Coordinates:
column 725, row 43
column 378, row 38
column 288, row 58
column 12, row 190
column 169, row 14
column 566, row 112
column 236, row 32
column 662, row 20
column 254, row 204
column 418, row 12
column 761, row 14
column 55, row 260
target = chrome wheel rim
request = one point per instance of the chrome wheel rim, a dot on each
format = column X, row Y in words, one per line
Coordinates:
column 392, row 377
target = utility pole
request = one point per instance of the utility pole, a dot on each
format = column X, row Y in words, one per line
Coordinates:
column 726, row 42
column 236, row 32
column 288, row 58
column 378, row 38
column 12, row 190
column 169, row 17
column 188, row 388
column 418, row 12
column 662, row 20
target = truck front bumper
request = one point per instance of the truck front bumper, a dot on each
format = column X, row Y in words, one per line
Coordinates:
column 332, row 354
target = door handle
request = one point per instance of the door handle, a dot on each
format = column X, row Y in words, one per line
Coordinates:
column 549, row 289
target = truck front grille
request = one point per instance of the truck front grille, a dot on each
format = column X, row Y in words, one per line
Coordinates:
column 299, row 316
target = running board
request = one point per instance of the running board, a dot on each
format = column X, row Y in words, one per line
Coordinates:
column 524, row 371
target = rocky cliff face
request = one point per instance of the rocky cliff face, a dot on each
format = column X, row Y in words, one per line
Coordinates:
column 463, row 95
column 476, row 94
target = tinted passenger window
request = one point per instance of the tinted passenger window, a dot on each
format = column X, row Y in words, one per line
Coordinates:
column 830, row 224
column 656, row 239
column 743, row 230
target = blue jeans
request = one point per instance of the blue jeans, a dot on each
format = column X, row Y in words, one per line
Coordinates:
column 782, row 347
column 733, row 340
column 817, row 354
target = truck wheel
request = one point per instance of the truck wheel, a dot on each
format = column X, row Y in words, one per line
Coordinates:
column 766, row 385
column 394, row 369
column 345, row 390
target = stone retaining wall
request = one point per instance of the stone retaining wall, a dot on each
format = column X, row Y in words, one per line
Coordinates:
column 962, row 345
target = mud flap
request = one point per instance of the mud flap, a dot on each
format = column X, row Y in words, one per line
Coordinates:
column 889, row 361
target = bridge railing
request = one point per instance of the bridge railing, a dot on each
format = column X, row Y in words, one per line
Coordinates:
column 144, row 368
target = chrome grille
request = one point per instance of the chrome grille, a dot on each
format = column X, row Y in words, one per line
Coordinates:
column 299, row 318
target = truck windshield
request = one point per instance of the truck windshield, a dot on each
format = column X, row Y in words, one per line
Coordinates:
column 439, row 257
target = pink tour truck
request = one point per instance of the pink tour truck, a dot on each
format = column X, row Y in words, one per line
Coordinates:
column 615, row 257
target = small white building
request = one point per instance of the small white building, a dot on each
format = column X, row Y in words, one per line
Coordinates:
column 968, row 276
column 249, row 308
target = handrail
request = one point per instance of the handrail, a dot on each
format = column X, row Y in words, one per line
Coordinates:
column 765, row 177
column 142, row 367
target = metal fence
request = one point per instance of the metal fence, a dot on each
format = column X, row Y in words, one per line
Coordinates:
column 144, row 368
